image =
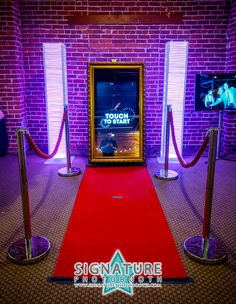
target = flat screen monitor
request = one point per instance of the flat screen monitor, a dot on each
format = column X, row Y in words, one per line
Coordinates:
column 215, row 92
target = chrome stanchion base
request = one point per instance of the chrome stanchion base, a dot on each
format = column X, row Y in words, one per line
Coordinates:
column 216, row 253
column 69, row 171
column 166, row 174
column 40, row 248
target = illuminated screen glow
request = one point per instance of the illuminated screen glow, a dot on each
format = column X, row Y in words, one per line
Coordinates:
column 174, row 91
column 215, row 92
column 56, row 93
column 116, row 112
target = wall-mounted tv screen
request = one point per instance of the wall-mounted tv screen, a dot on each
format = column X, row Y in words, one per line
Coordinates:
column 215, row 92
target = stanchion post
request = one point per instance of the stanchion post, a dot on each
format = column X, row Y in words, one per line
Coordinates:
column 68, row 171
column 167, row 140
column 219, row 135
column 204, row 249
column 30, row 249
column 24, row 191
column 165, row 173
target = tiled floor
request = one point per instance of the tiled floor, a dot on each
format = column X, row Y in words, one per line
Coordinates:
column 51, row 200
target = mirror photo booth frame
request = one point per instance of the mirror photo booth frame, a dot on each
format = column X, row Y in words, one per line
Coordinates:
column 116, row 112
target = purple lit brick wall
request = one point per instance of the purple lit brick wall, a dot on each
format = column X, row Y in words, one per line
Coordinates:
column 11, row 70
column 205, row 26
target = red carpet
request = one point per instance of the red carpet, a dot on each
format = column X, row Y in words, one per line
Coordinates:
column 117, row 208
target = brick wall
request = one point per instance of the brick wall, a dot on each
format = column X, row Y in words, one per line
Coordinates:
column 204, row 25
column 229, row 121
column 11, row 71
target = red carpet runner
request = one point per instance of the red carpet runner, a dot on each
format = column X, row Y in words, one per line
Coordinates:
column 117, row 208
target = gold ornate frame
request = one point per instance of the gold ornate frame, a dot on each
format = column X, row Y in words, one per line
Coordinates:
column 137, row 154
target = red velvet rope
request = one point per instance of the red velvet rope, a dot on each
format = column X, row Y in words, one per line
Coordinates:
column 54, row 152
column 180, row 159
